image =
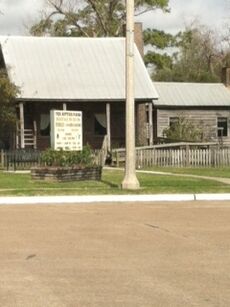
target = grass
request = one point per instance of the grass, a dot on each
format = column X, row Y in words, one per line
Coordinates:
column 21, row 184
column 223, row 172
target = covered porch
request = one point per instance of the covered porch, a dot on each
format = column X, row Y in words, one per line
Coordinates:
column 99, row 120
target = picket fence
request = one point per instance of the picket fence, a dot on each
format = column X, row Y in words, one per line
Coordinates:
column 177, row 157
column 174, row 155
column 19, row 159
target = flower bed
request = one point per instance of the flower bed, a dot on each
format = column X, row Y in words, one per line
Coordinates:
column 67, row 166
column 63, row 174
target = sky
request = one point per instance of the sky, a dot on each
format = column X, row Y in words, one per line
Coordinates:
column 17, row 15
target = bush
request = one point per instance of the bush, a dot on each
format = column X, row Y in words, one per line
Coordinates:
column 183, row 130
column 63, row 158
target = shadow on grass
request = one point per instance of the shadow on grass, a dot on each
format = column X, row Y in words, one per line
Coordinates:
column 110, row 184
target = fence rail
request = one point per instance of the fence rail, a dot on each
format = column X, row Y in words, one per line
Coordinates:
column 181, row 156
column 19, row 159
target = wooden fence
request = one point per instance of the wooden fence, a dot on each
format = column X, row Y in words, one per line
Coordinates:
column 177, row 156
column 2, row 158
column 173, row 155
column 19, row 159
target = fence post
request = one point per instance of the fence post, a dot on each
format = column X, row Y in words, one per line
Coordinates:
column 137, row 159
column 141, row 158
column 2, row 157
column 117, row 158
column 187, row 156
column 213, row 158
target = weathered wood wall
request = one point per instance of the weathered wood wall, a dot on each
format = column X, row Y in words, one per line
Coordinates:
column 205, row 119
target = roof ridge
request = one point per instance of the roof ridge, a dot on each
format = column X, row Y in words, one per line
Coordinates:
column 59, row 37
column 188, row 83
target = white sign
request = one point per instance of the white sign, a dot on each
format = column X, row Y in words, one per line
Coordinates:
column 66, row 130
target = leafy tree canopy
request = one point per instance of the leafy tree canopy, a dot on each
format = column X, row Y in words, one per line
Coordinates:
column 8, row 93
column 196, row 57
column 90, row 18
column 159, row 39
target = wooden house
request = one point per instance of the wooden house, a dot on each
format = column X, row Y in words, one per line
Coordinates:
column 207, row 105
column 84, row 74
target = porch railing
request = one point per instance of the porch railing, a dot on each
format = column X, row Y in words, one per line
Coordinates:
column 100, row 155
column 29, row 136
column 20, row 159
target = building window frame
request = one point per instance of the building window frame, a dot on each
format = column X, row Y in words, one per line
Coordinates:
column 44, row 127
column 222, row 126
column 100, row 125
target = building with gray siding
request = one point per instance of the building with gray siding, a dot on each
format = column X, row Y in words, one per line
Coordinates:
column 207, row 105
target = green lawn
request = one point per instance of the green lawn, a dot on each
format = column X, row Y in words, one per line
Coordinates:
column 211, row 172
column 21, row 184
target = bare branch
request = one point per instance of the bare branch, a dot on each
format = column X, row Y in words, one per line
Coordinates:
column 98, row 14
column 143, row 12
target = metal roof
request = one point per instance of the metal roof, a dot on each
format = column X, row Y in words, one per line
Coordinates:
column 72, row 68
column 192, row 94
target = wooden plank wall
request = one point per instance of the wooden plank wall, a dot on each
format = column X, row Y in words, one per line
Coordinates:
column 204, row 119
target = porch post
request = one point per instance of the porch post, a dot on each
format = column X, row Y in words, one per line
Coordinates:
column 17, row 135
column 21, row 114
column 150, row 113
column 35, row 134
column 64, row 106
column 108, row 125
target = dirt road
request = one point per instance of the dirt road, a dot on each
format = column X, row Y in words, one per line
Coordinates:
column 174, row 254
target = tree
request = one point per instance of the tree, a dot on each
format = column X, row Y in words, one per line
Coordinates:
column 198, row 57
column 8, row 93
column 183, row 129
column 90, row 18
column 160, row 41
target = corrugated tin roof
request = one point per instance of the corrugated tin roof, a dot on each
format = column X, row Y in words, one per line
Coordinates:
column 192, row 94
column 72, row 68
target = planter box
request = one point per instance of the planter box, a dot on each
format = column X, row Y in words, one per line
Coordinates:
column 63, row 174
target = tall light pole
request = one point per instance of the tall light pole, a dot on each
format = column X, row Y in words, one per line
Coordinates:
column 130, row 180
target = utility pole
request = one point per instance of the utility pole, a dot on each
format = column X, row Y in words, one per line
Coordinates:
column 130, row 180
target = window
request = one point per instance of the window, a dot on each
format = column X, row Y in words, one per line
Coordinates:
column 222, row 126
column 45, row 124
column 100, row 124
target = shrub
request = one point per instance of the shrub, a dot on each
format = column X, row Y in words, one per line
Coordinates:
column 183, row 130
column 51, row 157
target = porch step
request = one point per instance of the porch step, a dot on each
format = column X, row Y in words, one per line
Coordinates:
column 29, row 138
